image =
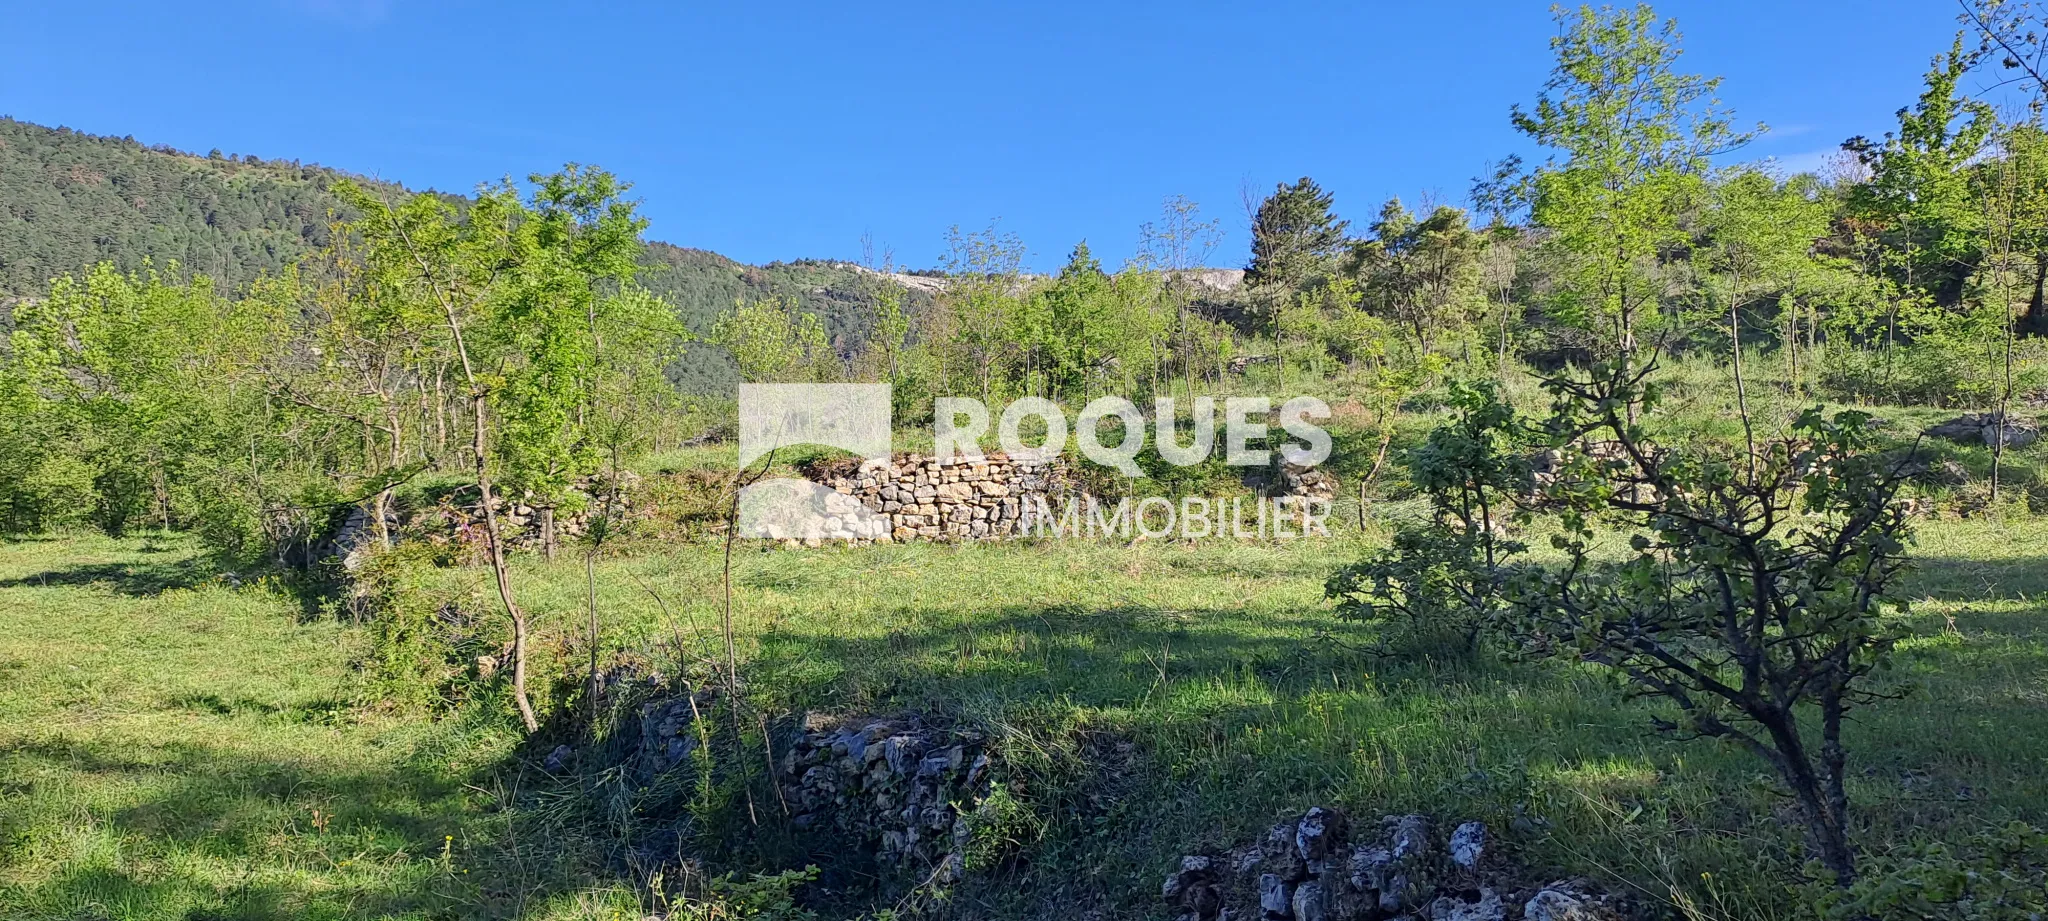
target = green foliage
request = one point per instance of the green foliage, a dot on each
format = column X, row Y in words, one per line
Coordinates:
column 149, row 380
column 76, row 200
column 2000, row 875
column 1296, row 238
column 1939, row 368
column 1755, row 589
column 759, row 897
column 1632, row 137
column 1438, row 585
column 1422, row 275
column 974, row 329
column 1082, row 329
column 773, row 341
column 1920, row 185
column 42, row 486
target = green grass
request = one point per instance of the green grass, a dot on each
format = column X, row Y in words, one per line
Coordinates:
column 172, row 746
column 1246, row 702
column 175, row 745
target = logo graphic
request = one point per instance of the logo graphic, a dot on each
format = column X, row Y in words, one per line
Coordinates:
column 852, row 417
column 958, row 492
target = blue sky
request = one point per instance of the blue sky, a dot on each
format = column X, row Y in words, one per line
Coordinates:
column 782, row 130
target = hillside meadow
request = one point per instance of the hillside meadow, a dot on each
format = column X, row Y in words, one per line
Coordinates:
column 180, row 745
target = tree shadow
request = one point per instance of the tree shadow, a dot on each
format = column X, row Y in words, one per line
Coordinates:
column 138, row 580
column 1952, row 578
column 182, row 806
column 1088, row 656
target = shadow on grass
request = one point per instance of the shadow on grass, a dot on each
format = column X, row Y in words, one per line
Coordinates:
column 190, row 831
column 139, row 580
column 1947, row 578
column 1083, row 656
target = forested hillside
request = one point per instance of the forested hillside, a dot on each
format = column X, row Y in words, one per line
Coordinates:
column 702, row 285
column 71, row 200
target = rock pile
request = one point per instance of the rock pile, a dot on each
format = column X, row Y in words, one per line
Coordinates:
column 356, row 539
column 961, row 499
column 1324, row 867
column 1242, row 363
column 668, row 733
column 460, row 517
column 1293, row 481
column 894, row 787
column 1983, row 428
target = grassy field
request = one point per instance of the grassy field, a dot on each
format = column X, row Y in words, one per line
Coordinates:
column 175, row 745
column 1245, row 700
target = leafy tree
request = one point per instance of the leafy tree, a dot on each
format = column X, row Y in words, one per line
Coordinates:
column 982, row 303
column 1919, row 190
column 773, row 341
column 569, row 249
column 148, row 374
column 1424, row 275
column 1442, row 580
column 515, row 285
column 1755, row 590
column 1758, row 239
column 1631, row 137
column 1083, row 327
column 42, row 485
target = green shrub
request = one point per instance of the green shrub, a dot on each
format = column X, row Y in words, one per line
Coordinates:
column 1936, row 371
column 1440, row 581
column 2000, row 875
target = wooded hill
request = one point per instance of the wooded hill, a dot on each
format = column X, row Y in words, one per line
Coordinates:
column 71, row 200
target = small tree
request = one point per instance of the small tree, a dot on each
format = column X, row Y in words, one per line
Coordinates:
column 1632, row 137
column 1752, row 595
column 1758, row 239
column 1296, row 238
column 773, row 341
column 1442, row 578
column 983, row 301
column 1179, row 244
column 569, row 252
column 1423, row 274
column 1754, row 589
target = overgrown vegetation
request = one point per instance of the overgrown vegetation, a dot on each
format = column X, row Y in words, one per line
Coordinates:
column 1633, row 442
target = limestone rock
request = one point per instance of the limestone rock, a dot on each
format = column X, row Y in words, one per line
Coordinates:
column 1276, row 899
column 1476, row 905
column 1308, row 902
column 1983, row 428
column 1468, row 844
column 1567, row 902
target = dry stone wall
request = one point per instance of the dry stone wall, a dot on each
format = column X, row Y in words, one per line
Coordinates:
column 961, row 499
column 1325, row 866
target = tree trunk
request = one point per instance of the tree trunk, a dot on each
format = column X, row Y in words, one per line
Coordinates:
column 160, row 486
column 2035, row 321
column 546, row 513
column 1822, row 806
column 499, row 572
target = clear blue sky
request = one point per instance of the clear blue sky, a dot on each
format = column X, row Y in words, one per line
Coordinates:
column 779, row 131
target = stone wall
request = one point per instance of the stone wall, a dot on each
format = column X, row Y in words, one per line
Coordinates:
column 992, row 497
column 1324, row 866
column 961, row 499
column 894, row 788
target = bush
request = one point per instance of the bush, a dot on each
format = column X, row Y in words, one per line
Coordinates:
column 1997, row 876
column 1440, row 582
column 1931, row 372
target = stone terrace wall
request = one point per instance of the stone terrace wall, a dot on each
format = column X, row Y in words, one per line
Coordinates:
column 924, row 499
